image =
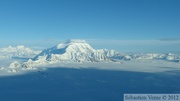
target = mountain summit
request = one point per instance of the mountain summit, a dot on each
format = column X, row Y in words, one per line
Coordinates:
column 74, row 50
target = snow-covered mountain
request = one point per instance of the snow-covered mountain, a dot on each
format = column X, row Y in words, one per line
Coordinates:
column 19, row 52
column 74, row 50
column 79, row 51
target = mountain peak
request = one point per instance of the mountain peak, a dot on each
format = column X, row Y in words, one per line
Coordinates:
column 74, row 49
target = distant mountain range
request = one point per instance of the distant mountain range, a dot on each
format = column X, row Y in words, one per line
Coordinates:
column 76, row 51
column 18, row 51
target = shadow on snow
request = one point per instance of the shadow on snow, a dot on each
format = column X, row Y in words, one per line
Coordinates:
column 65, row 84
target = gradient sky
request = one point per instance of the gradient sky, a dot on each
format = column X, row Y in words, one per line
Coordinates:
column 104, row 23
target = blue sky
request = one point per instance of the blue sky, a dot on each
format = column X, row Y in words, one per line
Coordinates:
column 44, row 23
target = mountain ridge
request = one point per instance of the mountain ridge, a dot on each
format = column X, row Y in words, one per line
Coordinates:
column 77, row 50
column 80, row 51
